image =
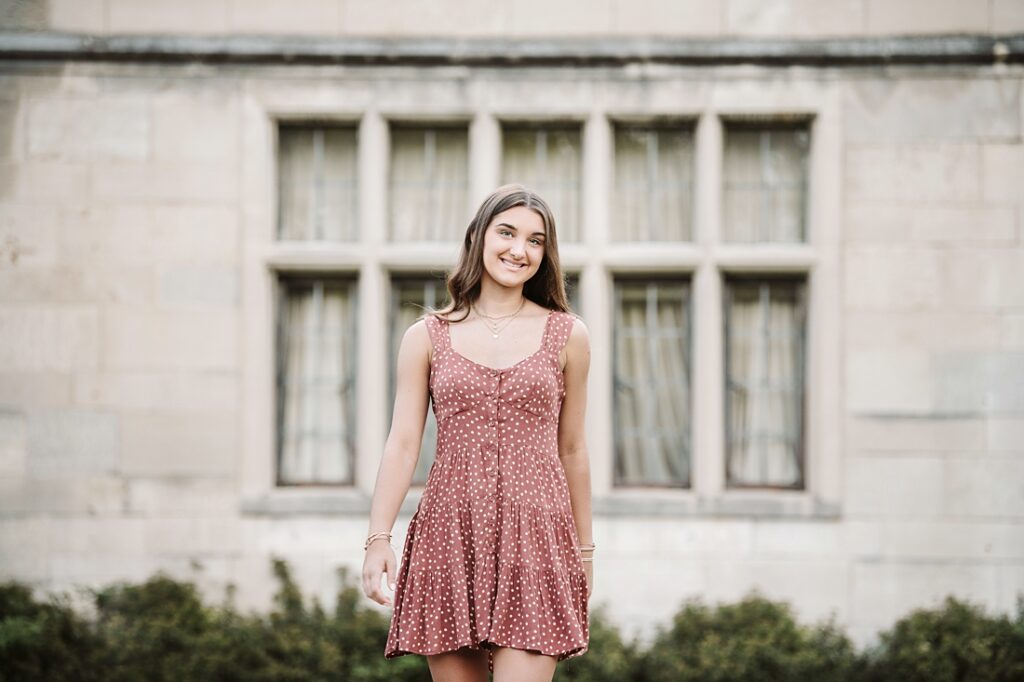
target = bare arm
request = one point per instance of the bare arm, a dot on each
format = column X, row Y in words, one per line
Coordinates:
column 572, row 446
column 401, row 452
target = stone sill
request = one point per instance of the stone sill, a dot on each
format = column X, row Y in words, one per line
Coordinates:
column 779, row 504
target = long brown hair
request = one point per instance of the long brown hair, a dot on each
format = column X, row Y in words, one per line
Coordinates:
column 547, row 286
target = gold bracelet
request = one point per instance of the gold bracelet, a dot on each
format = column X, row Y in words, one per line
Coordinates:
column 587, row 559
column 376, row 536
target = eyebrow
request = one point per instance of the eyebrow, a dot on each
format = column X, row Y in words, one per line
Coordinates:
column 517, row 229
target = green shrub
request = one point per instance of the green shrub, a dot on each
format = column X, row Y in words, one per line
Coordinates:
column 754, row 639
column 954, row 643
column 608, row 657
column 44, row 641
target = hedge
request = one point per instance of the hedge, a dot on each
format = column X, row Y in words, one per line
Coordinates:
column 161, row 630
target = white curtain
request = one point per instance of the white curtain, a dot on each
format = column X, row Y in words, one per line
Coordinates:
column 317, row 383
column 547, row 159
column 317, row 183
column 408, row 296
column 652, row 380
column 428, row 183
column 765, row 384
column 765, row 178
column 653, row 184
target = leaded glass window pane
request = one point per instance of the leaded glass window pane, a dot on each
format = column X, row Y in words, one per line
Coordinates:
column 653, row 183
column 547, row 159
column 429, row 182
column 317, row 183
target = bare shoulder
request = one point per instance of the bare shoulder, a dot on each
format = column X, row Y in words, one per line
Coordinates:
column 416, row 340
column 577, row 347
column 579, row 334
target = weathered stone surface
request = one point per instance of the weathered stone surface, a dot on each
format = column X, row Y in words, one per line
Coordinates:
column 157, row 16
column 979, row 382
column 149, row 391
column 13, row 444
column 179, row 444
column 93, row 128
column 138, row 338
column 885, row 487
column 918, row 172
column 67, row 443
column 48, row 338
column 927, row 16
column 794, row 17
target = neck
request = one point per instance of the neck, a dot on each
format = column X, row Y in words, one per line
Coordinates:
column 498, row 300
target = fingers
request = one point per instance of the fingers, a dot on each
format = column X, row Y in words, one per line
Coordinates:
column 390, row 568
column 372, row 574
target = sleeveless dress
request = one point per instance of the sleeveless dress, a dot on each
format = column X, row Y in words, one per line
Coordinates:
column 491, row 554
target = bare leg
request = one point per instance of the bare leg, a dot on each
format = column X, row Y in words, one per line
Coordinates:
column 516, row 665
column 463, row 665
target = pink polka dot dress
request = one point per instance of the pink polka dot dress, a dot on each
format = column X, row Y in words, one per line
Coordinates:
column 491, row 554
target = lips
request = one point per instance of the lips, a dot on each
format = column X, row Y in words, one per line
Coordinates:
column 515, row 267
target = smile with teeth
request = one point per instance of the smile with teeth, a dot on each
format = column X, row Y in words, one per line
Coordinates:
column 513, row 266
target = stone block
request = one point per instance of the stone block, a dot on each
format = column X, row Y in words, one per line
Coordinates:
column 882, row 487
column 1005, row 433
column 145, row 391
column 23, row 15
column 44, row 181
column 925, row 330
column 984, row 278
column 32, row 390
column 169, row 497
column 70, row 442
column 695, row 538
column 1009, row 587
column 11, row 145
column 940, row 435
column 202, row 286
column 29, row 238
column 13, row 444
column 890, row 381
column 25, row 536
column 667, row 18
column 882, row 592
column 411, row 18
column 895, row 277
column 792, row 539
column 146, row 234
column 77, row 16
column 979, row 382
column 991, row 488
column 111, row 127
column 285, row 536
column 81, row 494
column 189, row 536
column 899, row 110
column 157, row 16
column 952, row 540
column 927, row 16
column 1007, row 16
column 1011, row 330
column 797, row 18
column 43, row 338
column 198, row 125
column 121, row 536
column 189, row 182
column 1003, row 168
column 320, row 17
column 569, row 18
column 655, row 598
column 145, row 339
column 815, row 588
column 179, row 444
column 920, row 173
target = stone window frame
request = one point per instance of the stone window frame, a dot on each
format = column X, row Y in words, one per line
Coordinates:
column 596, row 261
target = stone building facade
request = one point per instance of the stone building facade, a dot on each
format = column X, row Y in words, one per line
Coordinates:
column 794, row 230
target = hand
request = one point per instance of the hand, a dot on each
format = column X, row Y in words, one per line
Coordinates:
column 379, row 559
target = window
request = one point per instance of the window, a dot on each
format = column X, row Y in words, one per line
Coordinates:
column 316, row 377
column 652, row 383
column 317, row 187
column 653, row 183
column 547, row 159
column 765, row 173
column 409, row 297
column 429, row 182
column 764, row 376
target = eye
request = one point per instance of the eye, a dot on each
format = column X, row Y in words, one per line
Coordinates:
column 538, row 242
column 503, row 231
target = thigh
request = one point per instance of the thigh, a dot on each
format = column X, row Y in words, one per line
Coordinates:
column 517, row 665
column 463, row 665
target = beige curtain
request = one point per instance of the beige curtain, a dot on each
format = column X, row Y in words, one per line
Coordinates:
column 653, row 184
column 317, row 384
column 547, row 159
column 765, row 178
column 765, row 384
column 317, row 183
column 409, row 297
column 428, row 183
column 652, row 381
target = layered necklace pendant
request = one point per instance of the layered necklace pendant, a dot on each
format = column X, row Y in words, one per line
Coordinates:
column 498, row 323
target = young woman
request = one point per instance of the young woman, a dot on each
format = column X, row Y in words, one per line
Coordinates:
column 496, row 569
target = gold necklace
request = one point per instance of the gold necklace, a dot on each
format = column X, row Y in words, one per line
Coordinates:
column 496, row 329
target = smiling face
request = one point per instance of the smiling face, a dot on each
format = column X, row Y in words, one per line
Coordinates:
column 514, row 246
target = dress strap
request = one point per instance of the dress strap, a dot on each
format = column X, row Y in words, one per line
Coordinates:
column 558, row 329
column 438, row 330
